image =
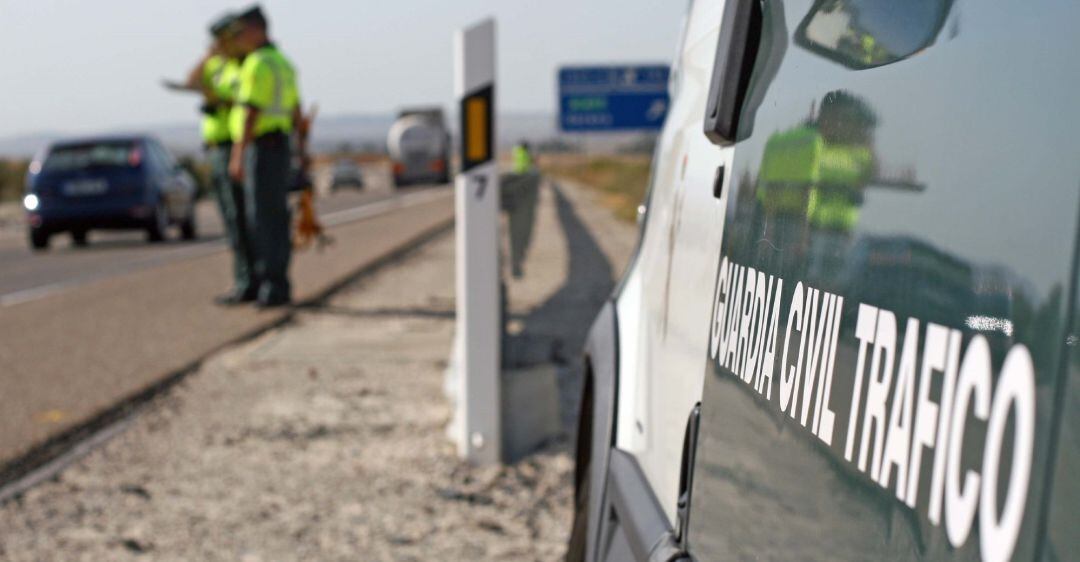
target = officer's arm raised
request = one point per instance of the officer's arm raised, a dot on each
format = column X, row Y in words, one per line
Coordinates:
column 196, row 78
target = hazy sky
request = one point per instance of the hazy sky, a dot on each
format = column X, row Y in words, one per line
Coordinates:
column 96, row 64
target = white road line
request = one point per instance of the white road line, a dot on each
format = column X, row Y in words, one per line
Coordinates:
column 211, row 246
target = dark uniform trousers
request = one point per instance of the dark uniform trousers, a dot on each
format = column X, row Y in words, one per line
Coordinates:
column 230, row 197
column 266, row 185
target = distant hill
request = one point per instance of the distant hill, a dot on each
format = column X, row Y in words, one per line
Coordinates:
column 183, row 138
column 358, row 131
column 23, row 146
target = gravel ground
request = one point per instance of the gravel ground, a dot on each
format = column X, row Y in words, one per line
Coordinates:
column 324, row 439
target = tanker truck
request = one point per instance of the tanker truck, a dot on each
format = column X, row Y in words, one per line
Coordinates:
column 419, row 146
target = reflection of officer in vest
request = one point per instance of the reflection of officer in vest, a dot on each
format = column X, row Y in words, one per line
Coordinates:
column 268, row 112
column 846, row 167
column 810, row 184
column 218, row 76
column 864, row 48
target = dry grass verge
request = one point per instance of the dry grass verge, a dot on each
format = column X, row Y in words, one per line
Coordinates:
column 621, row 179
column 12, row 178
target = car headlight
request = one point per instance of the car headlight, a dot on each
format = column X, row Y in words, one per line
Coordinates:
column 31, row 202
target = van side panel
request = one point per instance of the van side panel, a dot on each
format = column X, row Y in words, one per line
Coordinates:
column 893, row 291
column 1062, row 510
column 660, row 311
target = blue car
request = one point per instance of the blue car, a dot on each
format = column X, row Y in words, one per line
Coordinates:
column 117, row 182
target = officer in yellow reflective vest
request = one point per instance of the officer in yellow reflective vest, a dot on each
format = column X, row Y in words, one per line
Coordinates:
column 217, row 76
column 265, row 115
column 521, row 156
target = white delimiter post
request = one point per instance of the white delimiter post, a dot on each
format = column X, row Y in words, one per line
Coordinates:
column 477, row 204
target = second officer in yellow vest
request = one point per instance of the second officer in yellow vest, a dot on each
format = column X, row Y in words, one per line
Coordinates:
column 217, row 76
column 265, row 116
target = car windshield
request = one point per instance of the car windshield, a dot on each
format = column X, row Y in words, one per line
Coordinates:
column 120, row 154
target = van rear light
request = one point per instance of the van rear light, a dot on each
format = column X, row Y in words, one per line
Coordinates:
column 399, row 168
column 438, row 165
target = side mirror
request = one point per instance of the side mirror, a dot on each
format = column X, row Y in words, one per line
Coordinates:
column 182, row 171
column 861, row 34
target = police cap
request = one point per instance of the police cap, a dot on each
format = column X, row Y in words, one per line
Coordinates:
column 223, row 24
column 252, row 15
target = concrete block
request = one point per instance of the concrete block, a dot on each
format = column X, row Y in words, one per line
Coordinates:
column 530, row 414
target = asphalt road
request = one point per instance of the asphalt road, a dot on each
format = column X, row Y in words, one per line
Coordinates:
column 82, row 329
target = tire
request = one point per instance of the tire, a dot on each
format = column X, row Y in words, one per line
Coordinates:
column 39, row 240
column 79, row 238
column 595, row 436
column 155, row 231
column 188, row 230
column 577, row 543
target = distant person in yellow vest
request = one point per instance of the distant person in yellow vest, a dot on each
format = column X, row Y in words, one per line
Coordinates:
column 217, row 77
column 522, row 158
column 520, row 193
column 266, row 115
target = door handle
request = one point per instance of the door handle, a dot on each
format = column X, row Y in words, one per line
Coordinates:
column 736, row 49
column 718, row 183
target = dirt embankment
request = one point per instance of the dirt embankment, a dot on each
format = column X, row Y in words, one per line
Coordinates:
column 621, row 180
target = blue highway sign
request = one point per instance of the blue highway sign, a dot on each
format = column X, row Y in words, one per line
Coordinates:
column 612, row 98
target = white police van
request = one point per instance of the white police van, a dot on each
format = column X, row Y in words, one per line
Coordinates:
column 849, row 331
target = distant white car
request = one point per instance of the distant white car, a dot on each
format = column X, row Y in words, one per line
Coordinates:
column 346, row 173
